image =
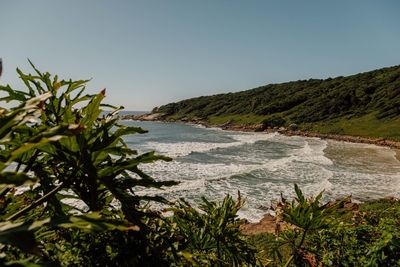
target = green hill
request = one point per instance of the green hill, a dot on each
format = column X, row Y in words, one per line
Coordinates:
column 365, row 104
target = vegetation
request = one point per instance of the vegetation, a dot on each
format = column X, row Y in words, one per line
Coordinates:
column 333, row 234
column 352, row 105
column 55, row 145
column 213, row 233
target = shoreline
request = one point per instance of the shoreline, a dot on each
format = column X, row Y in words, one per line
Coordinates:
column 395, row 145
column 269, row 223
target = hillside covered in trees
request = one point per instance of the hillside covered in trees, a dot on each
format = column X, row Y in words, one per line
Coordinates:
column 365, row 104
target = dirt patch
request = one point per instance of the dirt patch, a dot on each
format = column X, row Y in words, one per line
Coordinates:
column 268, row 224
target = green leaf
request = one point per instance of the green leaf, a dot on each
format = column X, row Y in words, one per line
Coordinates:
column 16, row 179
column 23, row 263
column 21, row 235
column 92, row 111
column 28, row 146
column 94, row 222
column 125, row 130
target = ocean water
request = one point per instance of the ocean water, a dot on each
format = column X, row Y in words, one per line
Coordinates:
column 211, row 162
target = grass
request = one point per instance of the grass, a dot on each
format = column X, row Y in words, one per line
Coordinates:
column 365, row 126
column 247, row 119
column 175, row 117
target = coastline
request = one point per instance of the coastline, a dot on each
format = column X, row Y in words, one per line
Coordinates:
column 395, row 145
column 269, row 223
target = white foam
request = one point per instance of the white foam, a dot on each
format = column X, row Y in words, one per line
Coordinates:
column 262, row 175
column 312, row 151
column 251, row 138
column 183, row 170
column 198, row 185
column 277, row 164
column 180, row 149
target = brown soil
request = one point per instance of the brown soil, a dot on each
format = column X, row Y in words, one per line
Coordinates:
column 268, row 224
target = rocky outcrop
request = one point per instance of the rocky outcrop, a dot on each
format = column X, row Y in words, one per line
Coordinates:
column 293, row 127
column 268, row 224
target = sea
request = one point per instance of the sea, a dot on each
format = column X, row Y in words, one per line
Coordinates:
column 211, row 163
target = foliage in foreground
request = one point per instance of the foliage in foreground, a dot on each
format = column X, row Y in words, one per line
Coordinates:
column 213, row 234
column 56, row 145
column 334, row 235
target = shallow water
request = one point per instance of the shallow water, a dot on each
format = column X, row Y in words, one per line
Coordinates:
column 211, row 162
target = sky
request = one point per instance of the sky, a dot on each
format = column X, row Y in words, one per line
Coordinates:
column 149, row 53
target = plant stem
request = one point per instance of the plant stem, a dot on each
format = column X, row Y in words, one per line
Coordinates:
column 35, row 203
column 31, row 161
column 5, row 191
column 298, row 247
column 302, row 239
column 218, row 253
column 289, row 261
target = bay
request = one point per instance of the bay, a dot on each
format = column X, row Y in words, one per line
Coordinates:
column 211, row 162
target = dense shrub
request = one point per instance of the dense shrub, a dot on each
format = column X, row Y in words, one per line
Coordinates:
column 274, row 122
column 332, row 234
column 305, row 101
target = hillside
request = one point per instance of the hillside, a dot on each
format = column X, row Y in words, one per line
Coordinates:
column 365, row 104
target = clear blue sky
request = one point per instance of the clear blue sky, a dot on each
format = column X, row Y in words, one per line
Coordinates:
column 148, row 53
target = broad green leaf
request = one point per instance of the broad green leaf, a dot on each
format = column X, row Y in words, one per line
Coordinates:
column 28, row 146
column 16, row 178
column 92, row 111
column 13, row 95
column 93, row 222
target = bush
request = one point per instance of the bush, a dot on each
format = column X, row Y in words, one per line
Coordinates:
column 212, row 235
column 274, row 122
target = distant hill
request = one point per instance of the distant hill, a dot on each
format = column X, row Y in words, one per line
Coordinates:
column 365, row 104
